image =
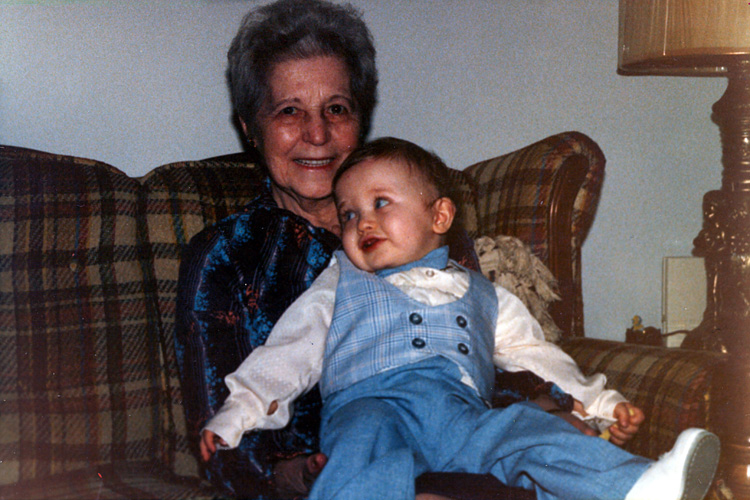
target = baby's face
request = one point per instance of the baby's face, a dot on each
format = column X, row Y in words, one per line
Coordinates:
column 386, row 214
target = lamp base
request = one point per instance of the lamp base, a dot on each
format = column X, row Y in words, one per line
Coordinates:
column 729, row 416
column 724, row 243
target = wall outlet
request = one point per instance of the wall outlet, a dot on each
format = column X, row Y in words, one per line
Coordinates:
column 683, row 296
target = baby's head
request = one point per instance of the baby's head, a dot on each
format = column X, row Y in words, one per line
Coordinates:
column 393, row 203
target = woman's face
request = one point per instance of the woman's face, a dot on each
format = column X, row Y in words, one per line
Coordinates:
column 307, row 128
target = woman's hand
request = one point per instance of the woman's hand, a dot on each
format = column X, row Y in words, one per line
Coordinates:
column 208, row 444
column 629, row 419
column 293, row 478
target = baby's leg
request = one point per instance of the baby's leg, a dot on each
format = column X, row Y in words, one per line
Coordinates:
column 370, row 454
column 525, row 446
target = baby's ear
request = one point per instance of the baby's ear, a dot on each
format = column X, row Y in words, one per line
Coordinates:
column 443, row 212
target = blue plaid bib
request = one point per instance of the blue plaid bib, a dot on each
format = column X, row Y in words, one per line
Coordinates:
column 377, row 327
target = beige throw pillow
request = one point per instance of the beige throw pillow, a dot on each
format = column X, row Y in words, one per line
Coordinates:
column 508, row 262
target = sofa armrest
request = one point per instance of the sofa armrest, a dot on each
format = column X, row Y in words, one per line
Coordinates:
column 674, row 387
column 546, row 195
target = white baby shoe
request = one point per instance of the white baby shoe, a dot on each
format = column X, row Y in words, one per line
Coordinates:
column 684, row 473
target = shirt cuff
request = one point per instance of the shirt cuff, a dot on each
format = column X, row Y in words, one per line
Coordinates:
column 601, row 412
column 228, row 425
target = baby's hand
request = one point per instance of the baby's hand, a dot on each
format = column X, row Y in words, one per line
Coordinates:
column 629, row 419
column 208, row 444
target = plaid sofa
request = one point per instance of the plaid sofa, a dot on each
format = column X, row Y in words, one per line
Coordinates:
column 90, row 401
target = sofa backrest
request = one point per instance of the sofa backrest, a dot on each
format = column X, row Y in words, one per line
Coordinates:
column 545, row 194
column 79, row 362
column 180, row 200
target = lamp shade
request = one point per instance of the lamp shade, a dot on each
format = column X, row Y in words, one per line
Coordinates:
column 683, row 37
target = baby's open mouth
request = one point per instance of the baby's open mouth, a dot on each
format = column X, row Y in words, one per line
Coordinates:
column 367, row 243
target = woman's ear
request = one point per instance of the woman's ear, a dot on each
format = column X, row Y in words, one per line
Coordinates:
column 246, row 130
column 443, row 213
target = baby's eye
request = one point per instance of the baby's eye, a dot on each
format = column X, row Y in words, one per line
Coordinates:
column 347, row 215
column 381, row 202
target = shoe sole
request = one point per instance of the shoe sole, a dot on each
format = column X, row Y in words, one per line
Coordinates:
column 700, row 469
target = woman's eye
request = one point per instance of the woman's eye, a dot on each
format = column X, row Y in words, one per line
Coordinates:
column 380, row 203
column 289, row 110
column 337, row 109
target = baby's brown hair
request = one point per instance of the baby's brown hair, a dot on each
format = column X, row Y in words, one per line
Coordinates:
column 426, row 164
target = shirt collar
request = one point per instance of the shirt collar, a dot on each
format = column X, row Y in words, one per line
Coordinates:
column 436, row 259
column 265, row 196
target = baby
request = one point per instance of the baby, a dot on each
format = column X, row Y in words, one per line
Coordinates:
column 404, row 344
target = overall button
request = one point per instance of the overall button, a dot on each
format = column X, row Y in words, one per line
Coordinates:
column 415, row 318
column 418, row 343
column 463, row 348
column 429, row 273
column 461, row 321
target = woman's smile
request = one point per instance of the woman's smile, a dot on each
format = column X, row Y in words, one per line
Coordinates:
column 309, row 163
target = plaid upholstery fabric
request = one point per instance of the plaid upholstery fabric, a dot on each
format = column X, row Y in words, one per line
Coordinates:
column 672, row 386
column 514, row 191
column 80, row 373
column 128, row 481
column 465, row 196
column 88, row 378
column 181, row 199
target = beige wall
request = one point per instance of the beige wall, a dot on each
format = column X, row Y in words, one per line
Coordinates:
column 141, row 83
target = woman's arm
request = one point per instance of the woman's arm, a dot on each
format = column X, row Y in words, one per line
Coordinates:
column 207, row 329
column 236, row 279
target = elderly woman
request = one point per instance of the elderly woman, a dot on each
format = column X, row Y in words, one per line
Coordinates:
column 303, row 82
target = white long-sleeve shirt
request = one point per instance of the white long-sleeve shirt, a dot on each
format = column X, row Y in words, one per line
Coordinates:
column 290, row 362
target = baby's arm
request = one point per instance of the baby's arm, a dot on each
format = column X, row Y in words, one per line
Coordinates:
column 263, row 389
column 520, row 345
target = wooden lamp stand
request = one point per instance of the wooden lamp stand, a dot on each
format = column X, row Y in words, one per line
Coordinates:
column 724, row 243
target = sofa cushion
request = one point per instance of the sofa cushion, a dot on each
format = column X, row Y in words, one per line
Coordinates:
column 180, row 200
column 124, row 481
column 79, row 371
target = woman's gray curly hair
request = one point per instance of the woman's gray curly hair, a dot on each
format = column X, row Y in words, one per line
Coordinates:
column 298, row 29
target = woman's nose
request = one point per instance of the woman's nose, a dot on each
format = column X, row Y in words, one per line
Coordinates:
column 317, row 130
